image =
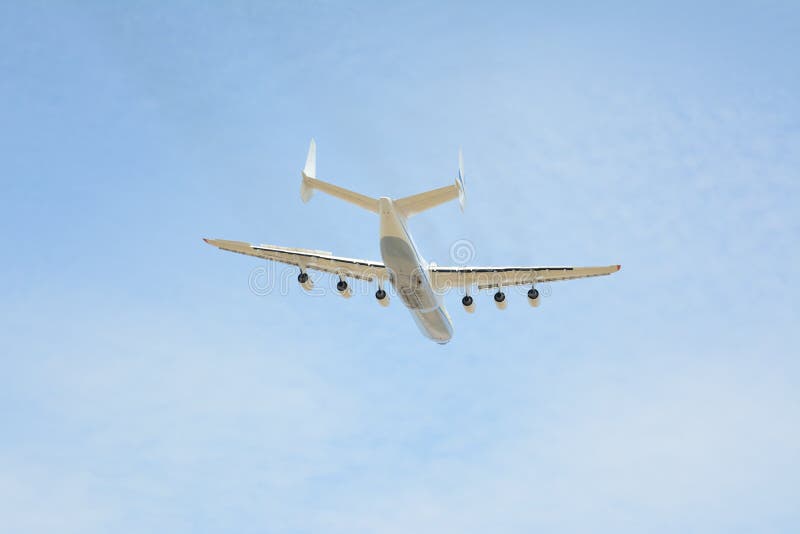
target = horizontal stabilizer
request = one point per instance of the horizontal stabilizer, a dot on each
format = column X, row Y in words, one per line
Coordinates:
column 430, row 199
column 310, row 184
column 427, row 200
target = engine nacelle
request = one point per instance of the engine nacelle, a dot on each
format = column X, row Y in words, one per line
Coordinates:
column 344, row 289
column 469, row 304
column 383, row 298
column 534, row 298
column 304, row 281
column 500, row 300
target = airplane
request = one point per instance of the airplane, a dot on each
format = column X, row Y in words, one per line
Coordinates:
column 419, row 284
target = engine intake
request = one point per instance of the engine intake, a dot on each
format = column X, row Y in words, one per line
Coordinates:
column 343, row 289
column 469, row 304
column 500, row 300
column 533, row 297
column 305, row 281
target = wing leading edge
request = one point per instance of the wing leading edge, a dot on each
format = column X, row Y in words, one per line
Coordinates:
column 304, row 259
column 491, row 277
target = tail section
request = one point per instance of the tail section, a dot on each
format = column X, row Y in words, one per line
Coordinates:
column 309, row 172
column 310, row 183
column 430, row 199
column 408, row 205
column 460, row 180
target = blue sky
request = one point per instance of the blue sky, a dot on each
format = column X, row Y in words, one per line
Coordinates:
column 144, row 386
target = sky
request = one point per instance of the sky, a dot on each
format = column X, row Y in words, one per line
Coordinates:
column 145, row 385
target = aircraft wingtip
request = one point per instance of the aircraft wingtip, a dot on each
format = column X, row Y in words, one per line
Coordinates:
column 619, row 267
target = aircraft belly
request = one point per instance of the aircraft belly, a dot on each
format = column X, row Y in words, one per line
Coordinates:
column 412, row 285
column 407, row 276
column 434, row 324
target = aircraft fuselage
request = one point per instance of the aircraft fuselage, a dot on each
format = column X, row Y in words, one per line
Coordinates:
column 408, row 273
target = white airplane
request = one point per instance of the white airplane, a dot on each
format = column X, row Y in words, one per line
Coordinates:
column 419, row 284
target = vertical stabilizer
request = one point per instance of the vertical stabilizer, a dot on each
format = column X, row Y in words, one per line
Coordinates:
column 310, row 169
column 460, row 180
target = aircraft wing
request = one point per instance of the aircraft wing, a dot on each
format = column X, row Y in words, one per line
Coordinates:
column 490, row 277
column 308, row 259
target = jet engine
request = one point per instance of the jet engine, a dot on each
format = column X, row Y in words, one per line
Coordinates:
column 344, row 289
column 533, row 297
column 305, row 281
column 500, row 300
column 468, row 303
column 383, row 298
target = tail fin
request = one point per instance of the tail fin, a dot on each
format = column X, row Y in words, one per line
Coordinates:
column 310, row 169
column 311, row 183
column 309, row 172
column 429, row 199
column 460, row 180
